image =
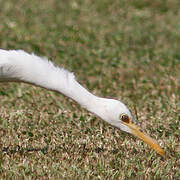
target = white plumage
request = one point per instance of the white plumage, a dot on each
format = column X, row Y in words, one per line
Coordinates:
column 19, row 66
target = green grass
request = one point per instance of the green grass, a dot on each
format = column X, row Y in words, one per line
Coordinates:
column 128, row 50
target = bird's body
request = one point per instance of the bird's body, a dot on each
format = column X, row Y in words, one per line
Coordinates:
column 19, row 66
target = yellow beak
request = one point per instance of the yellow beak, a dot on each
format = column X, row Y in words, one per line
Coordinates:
column 143, row 136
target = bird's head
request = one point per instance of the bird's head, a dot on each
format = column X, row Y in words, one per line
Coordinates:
column 117, row 114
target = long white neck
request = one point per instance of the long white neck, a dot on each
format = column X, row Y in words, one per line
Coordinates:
column 23, row 67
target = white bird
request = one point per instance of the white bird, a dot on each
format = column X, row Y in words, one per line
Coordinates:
column 19, row 66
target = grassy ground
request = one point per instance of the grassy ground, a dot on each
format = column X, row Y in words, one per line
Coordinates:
column 127, row 50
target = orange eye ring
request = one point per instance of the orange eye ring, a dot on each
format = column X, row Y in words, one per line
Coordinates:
column 125, row 118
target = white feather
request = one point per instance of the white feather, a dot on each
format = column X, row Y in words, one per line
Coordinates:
column 19, row 66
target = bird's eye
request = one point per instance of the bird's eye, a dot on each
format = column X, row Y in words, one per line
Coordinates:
column 125, row 118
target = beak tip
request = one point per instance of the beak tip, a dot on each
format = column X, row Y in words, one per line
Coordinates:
column 161, row 152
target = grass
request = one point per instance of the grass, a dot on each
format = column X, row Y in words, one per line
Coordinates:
column 127, row 50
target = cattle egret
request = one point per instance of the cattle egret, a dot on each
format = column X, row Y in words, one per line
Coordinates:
column 19, row 66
